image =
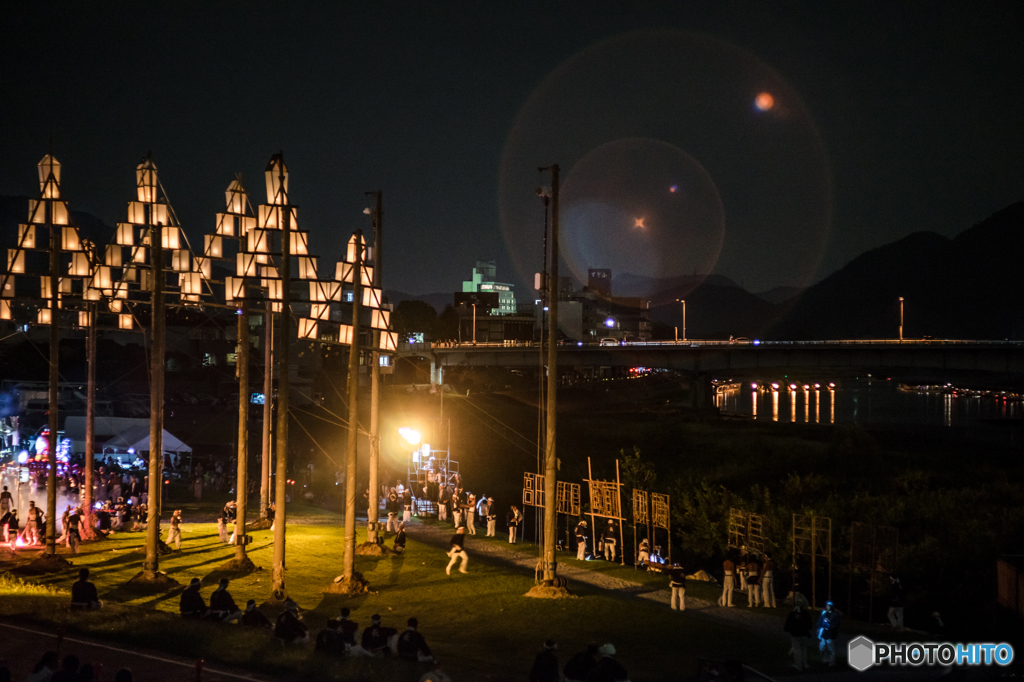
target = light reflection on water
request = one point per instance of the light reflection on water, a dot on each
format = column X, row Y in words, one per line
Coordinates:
column 861, row 402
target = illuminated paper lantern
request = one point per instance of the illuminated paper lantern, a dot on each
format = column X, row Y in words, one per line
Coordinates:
column 125, row 234
column 70, row 241
column 112, row 255
column 307, row 267
column 27, row 236
column 49, row 176
column 84, row 318
column 213, row 246
column 171, row 237
column 124, row 321
column 320, row 311
column 5, row 310
column 80, row 266
column 226, row 224
column 245, row 265
column 16, row 261
column 137, row 212
column 307, row 328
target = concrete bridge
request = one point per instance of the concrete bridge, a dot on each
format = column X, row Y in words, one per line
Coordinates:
column 919, row 360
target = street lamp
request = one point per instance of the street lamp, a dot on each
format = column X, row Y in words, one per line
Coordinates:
column 900, row 317
column 411, row 436
column 683, row 301
column 474, row 322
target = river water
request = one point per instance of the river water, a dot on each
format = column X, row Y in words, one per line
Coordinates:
column 873, row 402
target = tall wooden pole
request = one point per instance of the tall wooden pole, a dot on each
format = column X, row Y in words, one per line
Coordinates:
column 349, row 561
column 373, row 512
column 268, row 409
column 51, row 479
column 242, row 476
column 156, row 390
column 278, row 591
column 87, row 527
column 550, row 460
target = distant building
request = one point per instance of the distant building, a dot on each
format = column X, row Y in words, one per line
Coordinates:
column 599, row 281
column 483, row 282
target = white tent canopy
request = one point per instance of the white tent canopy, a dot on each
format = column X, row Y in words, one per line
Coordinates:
column 119, row 434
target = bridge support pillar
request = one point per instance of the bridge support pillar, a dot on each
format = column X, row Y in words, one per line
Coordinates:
column 701, row 395
column 435, row 371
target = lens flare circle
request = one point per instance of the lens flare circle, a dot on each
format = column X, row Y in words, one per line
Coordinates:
column 697, row 93
column 764, row 101
column 616, row 214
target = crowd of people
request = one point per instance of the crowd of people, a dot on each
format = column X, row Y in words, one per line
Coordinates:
column 52, row 668
column 593, row 664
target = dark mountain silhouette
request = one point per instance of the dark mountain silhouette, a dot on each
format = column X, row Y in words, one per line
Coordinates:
column 628, row 284
column 712, row 311
column 780, row 294
column 967, row 287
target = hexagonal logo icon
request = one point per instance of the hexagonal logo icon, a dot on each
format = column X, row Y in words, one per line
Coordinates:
column 861, row 653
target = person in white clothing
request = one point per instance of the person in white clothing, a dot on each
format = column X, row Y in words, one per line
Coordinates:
column 768, row 582
column 458, row 551
column 727, row 582
column 491, row 517
column 581, row 540
column 470, row 514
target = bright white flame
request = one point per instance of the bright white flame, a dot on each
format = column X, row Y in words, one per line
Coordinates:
column 412, row 436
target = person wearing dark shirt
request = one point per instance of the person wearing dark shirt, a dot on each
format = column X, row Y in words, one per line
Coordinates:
column 83, row 593
column 607, row 669
column 412, row 646
column 68, row 670
column 346, row 627
column 677, row 583
column 798, row 625
column 328, row 640
column 458, row 551
column 376, row 637
column 192, row 605
column 580, row 665
column 400, row 538
column 254, row 618
column 828, row 632
column 289, row 627
column 222, row 605
column 545, row 665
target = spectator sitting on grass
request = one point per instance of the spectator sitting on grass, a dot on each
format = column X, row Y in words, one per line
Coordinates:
column 254, row 618
column 400, row 539
column 348, row 628
column 580, row 665
column 45, row 668
column 83, row 593
column 545, row 666
column 412, row 646
column 377, row 639
column 192, row 605
column 289, row 627
column 123, row 675
column 68, row 670
column 222, row 606
column 607, row 669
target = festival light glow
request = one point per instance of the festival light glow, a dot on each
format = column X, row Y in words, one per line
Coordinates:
column 764, row 101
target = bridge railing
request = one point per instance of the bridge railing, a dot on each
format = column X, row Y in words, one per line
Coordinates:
column 701, row 343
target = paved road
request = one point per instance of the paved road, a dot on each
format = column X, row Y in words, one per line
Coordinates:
column 21, row 647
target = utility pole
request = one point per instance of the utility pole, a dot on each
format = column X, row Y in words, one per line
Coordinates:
column 148, row 188
column 349, row 561
column 51, row 479
column 242, row 476
column 278, row 591
column 550, row 458
column 373, row 513
column 268, row 408
column 87, row 527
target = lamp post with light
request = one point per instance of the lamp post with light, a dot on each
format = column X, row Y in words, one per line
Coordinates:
column 901, row 318
column 474, row 322
column 683, row 301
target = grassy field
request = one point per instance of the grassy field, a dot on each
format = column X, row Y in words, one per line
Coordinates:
column 479, row 625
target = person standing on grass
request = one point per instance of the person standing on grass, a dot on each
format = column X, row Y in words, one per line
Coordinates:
column 74, row 537
column 393, row 507
column 458, row 551
column 896, row 603
column 581, row 540
column 798, row 625
column 610, row 541
column 545, row 665
column 753, row 583
column 444, row 498
column 31, row 531
column 6, row 501
column 470, row 512
column 407, row 505
column 727, row 582
column 512, row 519
column 222, row 528
column 677, row 583
column 768, row 581
column 492, row 517
column 828, row 632
column 174, row 534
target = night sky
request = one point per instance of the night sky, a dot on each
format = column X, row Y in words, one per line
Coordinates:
column 885, row 119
